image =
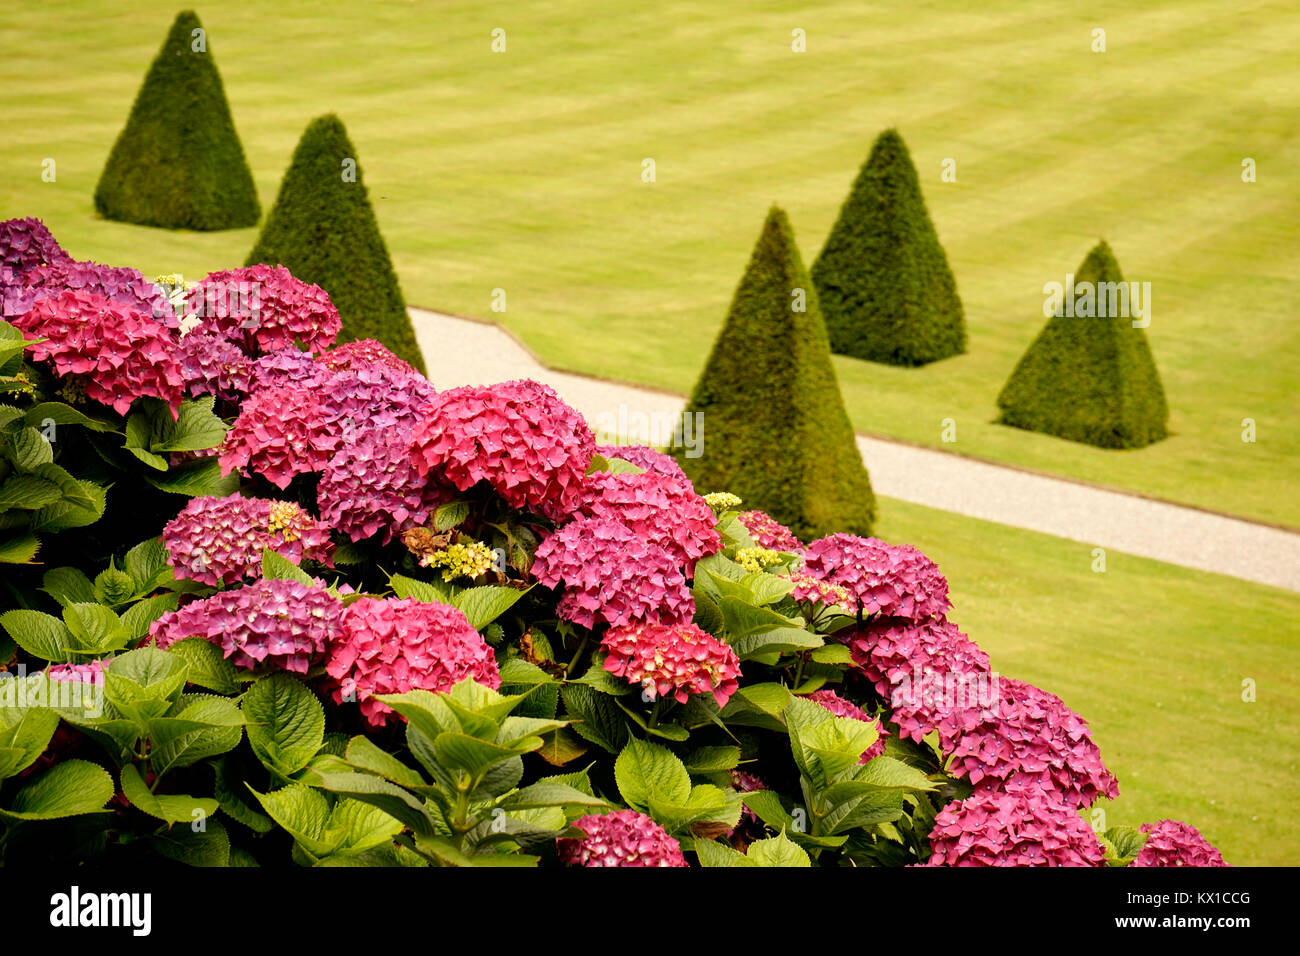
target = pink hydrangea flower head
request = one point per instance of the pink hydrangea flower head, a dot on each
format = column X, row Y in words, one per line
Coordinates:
column 621, row 838
column 391, row 646
column 118, row 353
column 663, row 511
column 116, row 283
column 816, row 591
column 672, row 660
column 90, row 673
column 377, row 397
column 612, row 575
column 26, row 244
column 271, row 622
column 767, row 532
column 1021, row 825
column 283, row 367
column 1172, row 843
column 362, row 354
column 646, row 458
column 923, row 670
column 529, row 446
column 840, row 707
column 1030, row 735
column 266, row 308
column 280, row 433
column 214, row 365
column 371, row 486
column 886, row 579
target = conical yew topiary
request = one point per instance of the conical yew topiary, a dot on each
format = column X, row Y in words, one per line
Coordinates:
column 1090, row 376
column 886, row 291
column 772, row 418
column 323, row 230
column 178, row 162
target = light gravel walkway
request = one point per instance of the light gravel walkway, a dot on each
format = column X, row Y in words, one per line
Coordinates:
column 468, row 352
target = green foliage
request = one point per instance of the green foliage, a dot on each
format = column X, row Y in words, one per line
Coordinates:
column 178, row 163
column 1090, row 379
column 882, row 278
column 774, row 427
column 323, row 230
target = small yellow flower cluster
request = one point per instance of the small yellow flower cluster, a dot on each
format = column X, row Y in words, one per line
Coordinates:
column 284, row 520
column 460, row 560
column 722, row 500
column 72, row 389
column 756, row 559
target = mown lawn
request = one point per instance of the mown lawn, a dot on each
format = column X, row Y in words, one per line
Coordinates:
column 1154, row 656
column 522, row 171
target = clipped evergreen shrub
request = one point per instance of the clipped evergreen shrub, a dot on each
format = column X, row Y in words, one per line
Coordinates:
column 178, row 162
column 323, row 230
column 886, row 291
column 775, row 431
column 1087, row 377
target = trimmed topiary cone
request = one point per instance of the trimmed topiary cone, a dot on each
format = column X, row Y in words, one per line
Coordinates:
column 178, row 162
column 1090, row 380
column 774, row 427
column 323, row 230
column 886, row 291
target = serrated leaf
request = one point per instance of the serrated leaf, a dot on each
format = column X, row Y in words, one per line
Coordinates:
column 276, row 567
column 286, row 723
column 39, row 634
column 450, row 514
column 170, row 808
column 195, row 479
column 778, row 851
column 209, row 847
column 205, row 665
column 645, row 771
column 69, row 789
column 483, row 605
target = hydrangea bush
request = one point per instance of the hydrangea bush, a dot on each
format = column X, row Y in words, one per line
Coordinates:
column 296, row 606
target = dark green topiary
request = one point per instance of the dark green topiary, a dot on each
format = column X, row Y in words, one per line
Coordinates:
column 323, row 230
column 883, row 280
column 1089, row 379
column 178, row 162
column 774, row 427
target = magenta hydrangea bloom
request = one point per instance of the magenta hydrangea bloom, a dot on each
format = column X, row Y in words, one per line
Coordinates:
column 266, row 309
column 214, row 365
column 371, row 485
column 219, row 541
column 1031, row 735
column 1022, row 825
column 280, row 433
column 923, row 670
column 840, row 707
column 283, row 367
column 647, row 458
column 364, row 354
column 886, row 579
column 612, row 575
column 283, row 624
column 26, row 244
column 391, row 646
column 767, row 532
column 663, row 511
column 672, row 660
column 621, row 838
column 118, row 284
column 376, row 398
column 1173, row 843
column 89, row 673
column 118, row 353
column 529, row 446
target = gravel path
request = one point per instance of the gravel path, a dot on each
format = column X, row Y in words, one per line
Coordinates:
column 468, row 352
